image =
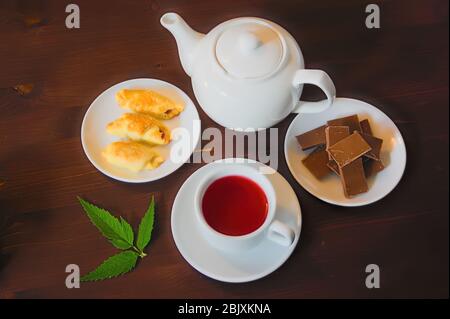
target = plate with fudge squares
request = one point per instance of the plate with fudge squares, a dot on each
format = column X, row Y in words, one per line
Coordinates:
column 350, row 155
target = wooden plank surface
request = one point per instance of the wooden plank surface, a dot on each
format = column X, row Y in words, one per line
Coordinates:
column 402, row 68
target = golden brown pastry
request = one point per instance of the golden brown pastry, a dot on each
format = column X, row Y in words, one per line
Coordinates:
column 132, row 155
column 140, row 127
column 149, row 102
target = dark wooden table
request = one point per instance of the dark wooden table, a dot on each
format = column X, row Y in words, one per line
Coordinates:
column 402, row 68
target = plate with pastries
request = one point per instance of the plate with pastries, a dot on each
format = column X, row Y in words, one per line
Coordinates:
column 349, row 155
column 140, row 130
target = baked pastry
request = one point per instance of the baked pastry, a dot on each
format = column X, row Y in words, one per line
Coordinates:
column 132, row 155
column 149, row 102
column 140, row 127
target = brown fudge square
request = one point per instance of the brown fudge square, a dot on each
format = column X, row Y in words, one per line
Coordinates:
column 351, row 121
column 334, row 134
column 375, row 143
column 316, row 162
column 372, row 167
column 348, row 149
column 365, row 127
column 312, row 138
column 353, row 178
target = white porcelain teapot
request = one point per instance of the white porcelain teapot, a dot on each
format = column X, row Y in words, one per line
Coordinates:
column 247, row 73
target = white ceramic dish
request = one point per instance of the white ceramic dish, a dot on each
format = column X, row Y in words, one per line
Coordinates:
column 105, row 109
column 238, row 266
column 393, row 153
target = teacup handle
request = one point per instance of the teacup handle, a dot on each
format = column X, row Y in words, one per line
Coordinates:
column 281, row 233
column 320, row 79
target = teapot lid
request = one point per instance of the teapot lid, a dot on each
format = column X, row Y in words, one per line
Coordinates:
column 250, row 49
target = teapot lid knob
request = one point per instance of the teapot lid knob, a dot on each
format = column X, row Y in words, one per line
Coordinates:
column 248, row 41
column 250, row 48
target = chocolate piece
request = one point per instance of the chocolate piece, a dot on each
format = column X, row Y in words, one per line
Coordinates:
column 312, row 138
column 353, row 178
column 375, row 143
column 348, row 149
column 351, row 121
column 372, row 167
column 316, row 162
column 334, row 134
column 365, row 127
column 333, row 166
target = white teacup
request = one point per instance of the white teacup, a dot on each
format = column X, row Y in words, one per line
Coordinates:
column 271, row 228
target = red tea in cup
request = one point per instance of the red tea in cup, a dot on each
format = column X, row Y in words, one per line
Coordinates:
column 235, row 205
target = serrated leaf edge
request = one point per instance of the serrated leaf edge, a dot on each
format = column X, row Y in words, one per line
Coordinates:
column 86, row 278
column 150, row 212
column 115, row 239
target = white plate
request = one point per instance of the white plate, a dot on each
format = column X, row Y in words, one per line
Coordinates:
column 105, row 109
column 232, row 267
column 393, row 153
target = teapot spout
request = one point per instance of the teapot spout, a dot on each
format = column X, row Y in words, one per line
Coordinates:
column 187, row 39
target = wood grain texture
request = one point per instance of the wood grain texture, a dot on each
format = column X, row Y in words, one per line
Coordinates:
column 402, row 68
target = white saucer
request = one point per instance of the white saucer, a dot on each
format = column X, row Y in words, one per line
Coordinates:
column 232, row 267
column 393, row 153
column 105, row 109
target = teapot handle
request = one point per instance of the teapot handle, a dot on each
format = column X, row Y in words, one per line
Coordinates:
column 320, row 79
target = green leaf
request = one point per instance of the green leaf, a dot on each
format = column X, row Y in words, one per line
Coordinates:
column 113, row 266
column 118, row 232
column 146, row 227
column 128, row 230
